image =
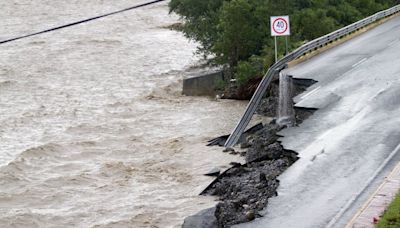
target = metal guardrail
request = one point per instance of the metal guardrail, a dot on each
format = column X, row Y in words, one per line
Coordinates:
column 281, row 64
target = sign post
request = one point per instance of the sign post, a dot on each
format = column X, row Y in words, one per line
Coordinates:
column 280, row 26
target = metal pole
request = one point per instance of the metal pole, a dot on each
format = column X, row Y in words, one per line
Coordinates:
column 276, row 51
column 287, row 49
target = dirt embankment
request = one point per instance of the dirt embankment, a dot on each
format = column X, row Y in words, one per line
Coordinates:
column 244, row 190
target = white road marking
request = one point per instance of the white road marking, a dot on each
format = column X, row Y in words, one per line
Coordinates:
column 359, row 62
column 370, row 180
column 313, row 91
column 390, row 178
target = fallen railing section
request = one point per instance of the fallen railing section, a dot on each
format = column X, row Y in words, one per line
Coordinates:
column 281, row 64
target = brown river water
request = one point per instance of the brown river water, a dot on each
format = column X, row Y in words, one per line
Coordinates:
column 93, row 129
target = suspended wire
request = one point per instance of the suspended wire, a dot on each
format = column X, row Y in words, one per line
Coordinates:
column 81, row 22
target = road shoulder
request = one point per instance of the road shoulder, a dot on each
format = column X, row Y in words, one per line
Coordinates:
column 369, row 214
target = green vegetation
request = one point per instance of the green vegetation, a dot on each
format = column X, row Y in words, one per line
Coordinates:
column 236, row 33
column 391, row 218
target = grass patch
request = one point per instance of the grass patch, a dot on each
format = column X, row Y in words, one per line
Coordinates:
column 391, row 218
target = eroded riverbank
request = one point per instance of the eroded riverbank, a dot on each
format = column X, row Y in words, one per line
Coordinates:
column 245, row 189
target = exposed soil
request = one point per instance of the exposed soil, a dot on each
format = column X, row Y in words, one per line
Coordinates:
column 241, row 92
column 244, row 190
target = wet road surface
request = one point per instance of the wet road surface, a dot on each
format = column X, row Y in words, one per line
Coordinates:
column 351, row 142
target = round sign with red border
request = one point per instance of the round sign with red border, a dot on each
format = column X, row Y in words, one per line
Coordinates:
column 280, row 25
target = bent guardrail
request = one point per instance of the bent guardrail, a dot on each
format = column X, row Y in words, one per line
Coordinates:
column 278, row 66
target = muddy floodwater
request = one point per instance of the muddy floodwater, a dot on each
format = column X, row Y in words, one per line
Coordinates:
column 93, row 129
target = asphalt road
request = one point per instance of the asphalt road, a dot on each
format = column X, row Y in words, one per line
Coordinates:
column 349, row 145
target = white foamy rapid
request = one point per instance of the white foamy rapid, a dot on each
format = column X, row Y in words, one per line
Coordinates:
column 93, row 129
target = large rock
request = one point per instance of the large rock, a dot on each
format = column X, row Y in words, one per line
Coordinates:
column 264, row 145
column 259, row 152
column 204, row 219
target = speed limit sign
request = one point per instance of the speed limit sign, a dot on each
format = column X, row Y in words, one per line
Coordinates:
column 280, row 26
